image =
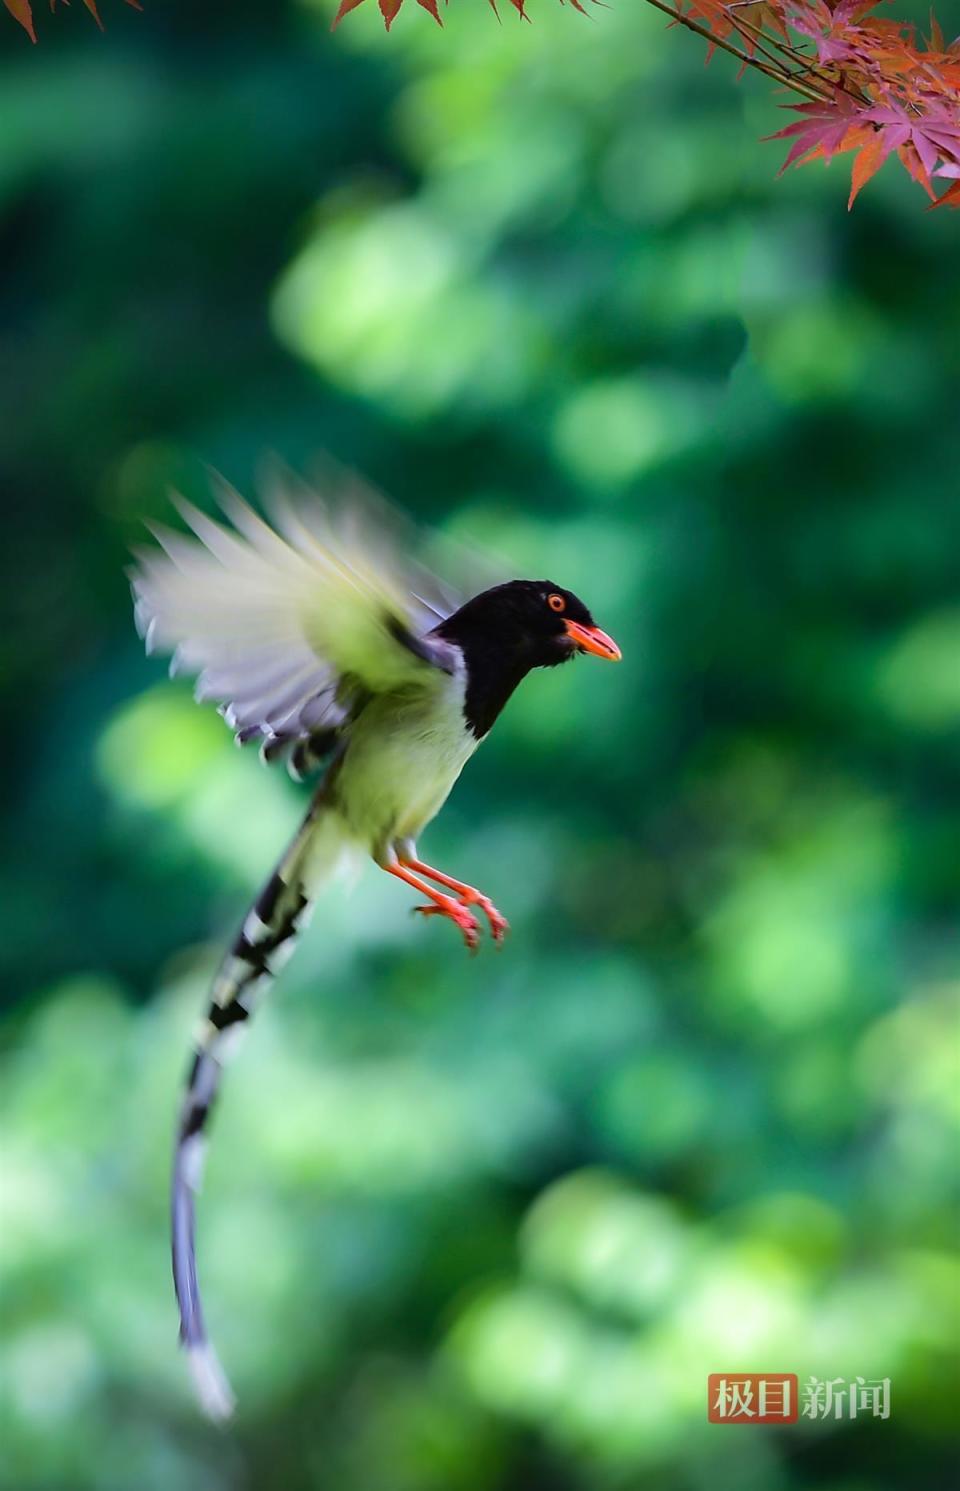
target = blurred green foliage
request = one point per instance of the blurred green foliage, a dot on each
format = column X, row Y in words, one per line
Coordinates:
column 476, row 1226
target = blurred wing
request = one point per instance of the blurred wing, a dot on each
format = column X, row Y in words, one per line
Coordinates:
column 285, row 627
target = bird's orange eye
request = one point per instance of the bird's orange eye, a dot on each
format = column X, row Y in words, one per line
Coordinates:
column 556, row 603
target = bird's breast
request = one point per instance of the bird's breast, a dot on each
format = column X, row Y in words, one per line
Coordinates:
column 403, row 756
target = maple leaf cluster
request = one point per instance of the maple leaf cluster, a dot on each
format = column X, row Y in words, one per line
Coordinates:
column 390, row 8
column 22, row 11
column 871, row 84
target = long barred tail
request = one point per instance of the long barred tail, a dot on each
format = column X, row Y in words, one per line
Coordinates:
column 265, row 941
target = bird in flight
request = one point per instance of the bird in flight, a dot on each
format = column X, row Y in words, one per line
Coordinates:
column 321, row 641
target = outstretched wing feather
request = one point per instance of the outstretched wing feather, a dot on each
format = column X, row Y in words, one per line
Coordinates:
column 281, row 625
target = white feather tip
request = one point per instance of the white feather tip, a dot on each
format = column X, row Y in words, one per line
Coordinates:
column 214, row 1391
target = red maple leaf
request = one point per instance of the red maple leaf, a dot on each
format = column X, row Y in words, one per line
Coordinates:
column 822, row 132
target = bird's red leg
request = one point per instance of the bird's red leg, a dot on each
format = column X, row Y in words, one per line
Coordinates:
column 441, row 905
column 467, row 896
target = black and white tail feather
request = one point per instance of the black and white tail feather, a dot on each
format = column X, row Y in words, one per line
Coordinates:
column 264, row 943
column 291, row 631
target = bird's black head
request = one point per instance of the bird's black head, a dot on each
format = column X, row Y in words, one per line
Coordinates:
column 506, row 631
column 533, row 621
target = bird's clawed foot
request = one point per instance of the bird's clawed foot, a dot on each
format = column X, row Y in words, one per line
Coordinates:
column 499, row 926
column 457, row 909
column 455, row 906
column 458, row 914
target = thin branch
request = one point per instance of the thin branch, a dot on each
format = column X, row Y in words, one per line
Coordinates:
column 802, row 59
column 753, row 33
column 779, row 73
column 813, row 68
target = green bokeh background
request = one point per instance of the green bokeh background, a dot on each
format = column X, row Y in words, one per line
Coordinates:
column 485, row 1225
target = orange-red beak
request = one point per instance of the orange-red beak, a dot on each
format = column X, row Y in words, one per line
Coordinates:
column 592, row 639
